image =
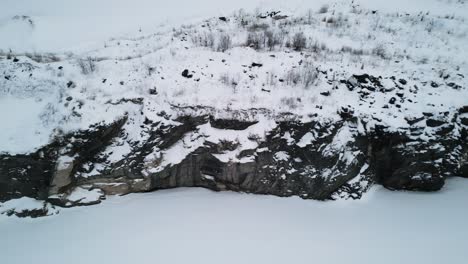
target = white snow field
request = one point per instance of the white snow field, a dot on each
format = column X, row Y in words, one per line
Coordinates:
column 200, row 226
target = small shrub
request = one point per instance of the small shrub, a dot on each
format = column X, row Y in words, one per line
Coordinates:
column 336, row 22
column 273, row 39
column 229, row 81
column 271, row 79
column 323, row 9
column 299, row 41
column 309, row 76
column 292, row 77
column 253, row 41
column 259, row 27
column 318, row 47
column 204, row 39
column 42, row 57
column 224, row 43
column 291, row 102
column 306, row 75
column 379, row 51
column 87, row 65
column 350, row 50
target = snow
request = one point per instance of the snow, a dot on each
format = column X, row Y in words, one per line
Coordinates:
column 281, row 156
column 200, row 226
column 208, row 177
column 20, row 120
column 20, row 204
column 83, row 195
column 62, row 26
column 64, row 162
column 307, row 139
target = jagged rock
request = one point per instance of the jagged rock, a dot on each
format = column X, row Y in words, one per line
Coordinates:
column 411, row 121
column 431, row 122
column 463, row 110
column 464, row 120
column 308, row 163
column 230, row 124
column 62, row 176
column 416, row 176
column 346, row 113
column 46, row 172
column 185, row 73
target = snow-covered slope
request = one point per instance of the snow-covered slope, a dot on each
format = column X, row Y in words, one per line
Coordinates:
column 423, row 50
column 320, row 103
column 77, row 25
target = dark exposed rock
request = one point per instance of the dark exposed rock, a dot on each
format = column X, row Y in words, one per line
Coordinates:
column 185, row 73
column 153, row 91
column 32, row 175
column 443, row 130
column 230, row 124
column 464, row 120
column 453, row 85
column 279, row 165
column 463, row 110
column 34, row 213
column 431, row 122
column 346, row 113
column 416, row 176
column 25, row 175
column 412, row 121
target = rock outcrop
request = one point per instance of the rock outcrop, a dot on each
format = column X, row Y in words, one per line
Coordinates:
column 313, row 160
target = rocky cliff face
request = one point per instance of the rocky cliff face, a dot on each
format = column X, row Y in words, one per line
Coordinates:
column 312, row 160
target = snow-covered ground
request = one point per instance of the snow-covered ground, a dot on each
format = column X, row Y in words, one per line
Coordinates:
column 200, row 226
column 67, row 25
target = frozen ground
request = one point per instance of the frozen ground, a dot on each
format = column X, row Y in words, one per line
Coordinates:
column 200, row 226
